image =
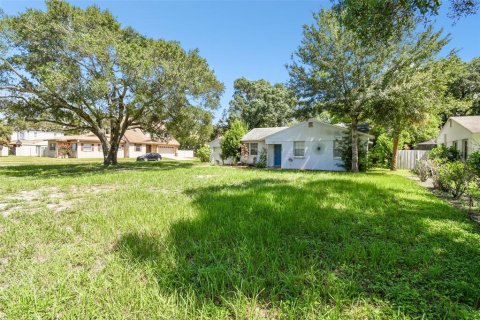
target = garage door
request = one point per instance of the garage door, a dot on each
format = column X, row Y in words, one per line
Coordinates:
column 166, row 150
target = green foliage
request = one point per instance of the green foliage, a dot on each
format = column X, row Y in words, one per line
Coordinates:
column 262, row 159
column 455, row 177
column 5, row 132
column 474, row 162
column 80, row 69
column 203, row 153
column 345, row 147
column 444, row 154
column 381, row 153
column 192, row 127
column 378, row 21
column 231, row 140
column 425, row 168
column 260, row 104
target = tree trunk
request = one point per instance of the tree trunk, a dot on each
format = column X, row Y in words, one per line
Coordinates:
column 393, row 162
column 354, row 144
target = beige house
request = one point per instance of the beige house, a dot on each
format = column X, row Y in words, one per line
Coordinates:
column 134, row 143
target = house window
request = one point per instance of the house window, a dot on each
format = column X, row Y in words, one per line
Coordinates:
column 299, row 148
column 87, row 147
column 100, row 147
column 253, row 149
column 35, row 134
column 465, row 149
column 74, row 147
column 138, row 147
column 455, row 144
column 51, row 146
column 310, row 124
column 337, row 151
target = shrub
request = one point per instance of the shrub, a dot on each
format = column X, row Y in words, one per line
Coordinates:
column 345, row 147
column 262, row 160
column 455, row 177
column 474, row 163
column 425, row 169
column 203, row 153
column 381, row 154
column 231, row 141
column 444, row 154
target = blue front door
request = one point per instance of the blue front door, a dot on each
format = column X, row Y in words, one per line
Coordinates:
column 277, row 155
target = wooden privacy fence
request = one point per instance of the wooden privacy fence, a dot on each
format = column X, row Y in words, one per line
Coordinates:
column 406, row 159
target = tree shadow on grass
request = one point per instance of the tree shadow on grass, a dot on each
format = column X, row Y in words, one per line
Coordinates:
column 331, row 242
column 47, row 171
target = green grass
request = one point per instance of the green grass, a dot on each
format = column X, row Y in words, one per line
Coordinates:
column 183, row 240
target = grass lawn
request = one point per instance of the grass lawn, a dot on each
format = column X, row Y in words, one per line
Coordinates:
column 183, row 240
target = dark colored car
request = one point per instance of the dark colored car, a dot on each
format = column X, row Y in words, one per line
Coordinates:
column 150, row 157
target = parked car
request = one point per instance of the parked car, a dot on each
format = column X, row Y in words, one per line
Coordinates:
column 149, row 157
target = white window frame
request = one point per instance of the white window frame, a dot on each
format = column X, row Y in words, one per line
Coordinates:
column 138, row 147
column 256, row 149
column 295, row 149
column 89, row 148
column 455, row 144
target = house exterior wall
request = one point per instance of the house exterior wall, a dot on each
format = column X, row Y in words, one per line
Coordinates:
column 34, row 134
column 453, row 132
column 252, row 159
column 31, row 150
column 3, row 150
column 319, row 146
column 132, row 153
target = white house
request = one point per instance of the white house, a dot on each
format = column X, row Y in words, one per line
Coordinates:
column 311, row 145
column 461, row 132
column 3, row 150
column 216, row 152
column 32, row 143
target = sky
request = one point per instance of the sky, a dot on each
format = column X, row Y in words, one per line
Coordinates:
column 251, row 38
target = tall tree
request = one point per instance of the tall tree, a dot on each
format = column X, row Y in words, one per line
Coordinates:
column 82, row 70
column 231, row 140
column 5, row 132
column 257, row 103
column 333, row 71
column 374, row 20
column 412, row 87
column 192, row 127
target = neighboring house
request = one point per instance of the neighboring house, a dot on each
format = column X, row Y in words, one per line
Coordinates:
column 426, row 145
column 463, row 133
column 216, row 152
column 31, row 143
column 134, row 143
column 3, row 150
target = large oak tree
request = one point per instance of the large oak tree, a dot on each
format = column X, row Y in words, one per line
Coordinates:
column 82, row 70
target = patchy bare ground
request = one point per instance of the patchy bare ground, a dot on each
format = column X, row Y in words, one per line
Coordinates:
column 52, row 198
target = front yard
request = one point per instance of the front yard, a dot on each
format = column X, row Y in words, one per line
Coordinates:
column 185, row 240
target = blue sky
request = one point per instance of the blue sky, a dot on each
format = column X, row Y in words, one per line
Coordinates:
column 254, row 39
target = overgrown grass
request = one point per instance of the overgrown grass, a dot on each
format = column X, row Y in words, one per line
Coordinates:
column 185, row 240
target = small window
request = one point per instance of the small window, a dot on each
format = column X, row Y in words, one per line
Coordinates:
column 455, row 145
column 138, row 147
column 74, row 147
column 465, row 149
column 337, row 152
column 310, row 124
column 100, row 147
column 253, row 149
column 299, row 148
column 51, row 146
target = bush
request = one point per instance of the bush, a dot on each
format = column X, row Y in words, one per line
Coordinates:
column 425, row 169
column 474, row 163
column 262, row 160
column 345, row 147
column 381, row 154
column 203, row 153
column 231, row 141
column 444, row 154
column 455, row 177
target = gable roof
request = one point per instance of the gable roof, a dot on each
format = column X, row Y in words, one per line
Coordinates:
column 471, row 123
column 131, row 135
column 259, row 134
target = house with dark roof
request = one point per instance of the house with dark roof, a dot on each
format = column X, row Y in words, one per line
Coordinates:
column 134, row 143
column 463, row 133
column 310, row 145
